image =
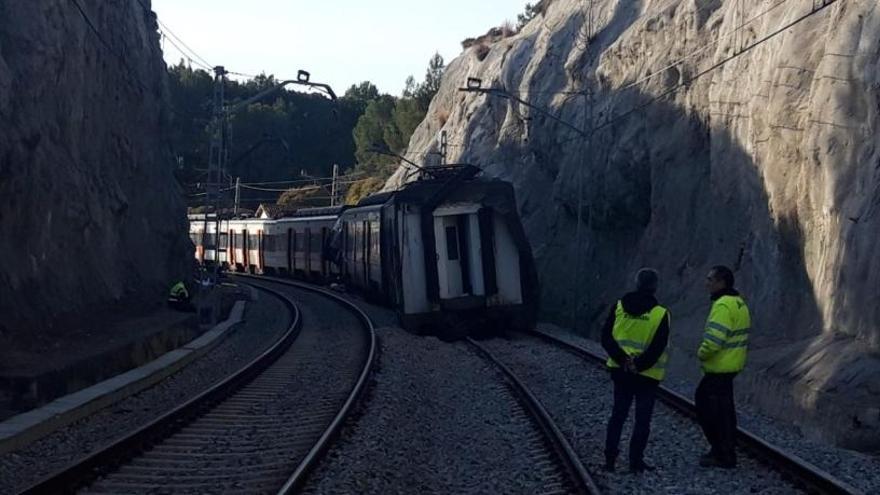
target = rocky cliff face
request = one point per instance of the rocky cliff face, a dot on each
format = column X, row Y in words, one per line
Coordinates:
column 707, row 146
column 90, row 215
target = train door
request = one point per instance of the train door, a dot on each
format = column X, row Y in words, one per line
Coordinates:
column 289, row 253
column 355, row 254
column 231, row 249
column 449, row 259
column 307, row 249
column 365, row 249
column 261, row 245
column 324, row 263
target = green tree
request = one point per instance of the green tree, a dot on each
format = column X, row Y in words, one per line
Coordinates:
column 433, row 77
column 271, row 140
column 370, row 132
column 361, row 94
column 388, row 123
column 530, row 12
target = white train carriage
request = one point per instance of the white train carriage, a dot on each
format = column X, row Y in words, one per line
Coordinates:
column 210, row 247
column 244, row 247
column 294, row 245
column 448, row 253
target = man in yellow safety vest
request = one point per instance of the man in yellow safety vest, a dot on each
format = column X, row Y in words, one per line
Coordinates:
column 178, row 297
column 635, row 337
column 722, row 355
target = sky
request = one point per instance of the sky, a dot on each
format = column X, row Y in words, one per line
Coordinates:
column 340, row 42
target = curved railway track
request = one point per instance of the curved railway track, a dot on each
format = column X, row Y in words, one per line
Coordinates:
column 571, row 476
column 262, row 429
column 807, row 476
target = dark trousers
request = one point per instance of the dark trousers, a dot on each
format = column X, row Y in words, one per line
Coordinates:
column 716, row 413
column 629, row 386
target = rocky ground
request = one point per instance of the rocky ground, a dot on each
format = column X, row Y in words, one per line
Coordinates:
column 859, row 469
column 438, row 420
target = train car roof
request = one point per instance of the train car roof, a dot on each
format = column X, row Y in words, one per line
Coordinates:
column 476, row 189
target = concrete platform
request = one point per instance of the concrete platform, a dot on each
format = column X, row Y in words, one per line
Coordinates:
column 27, row 427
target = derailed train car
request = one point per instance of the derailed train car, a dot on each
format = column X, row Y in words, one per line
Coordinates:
column 449, row 253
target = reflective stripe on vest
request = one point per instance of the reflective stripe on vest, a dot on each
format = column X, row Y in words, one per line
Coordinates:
column 634, row 333
column 178, row 291
column 726, row 337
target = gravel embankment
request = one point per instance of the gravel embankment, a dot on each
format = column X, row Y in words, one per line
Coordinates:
column 265, row 320
column 438, row 419
column 862, row 471
column 578, row 396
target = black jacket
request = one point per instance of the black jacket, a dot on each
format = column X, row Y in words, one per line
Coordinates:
column 636, row 303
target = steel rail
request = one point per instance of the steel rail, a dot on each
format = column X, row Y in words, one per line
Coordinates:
column 814, row 478
column 299, row 477
column 578, row 474
column 106, row 458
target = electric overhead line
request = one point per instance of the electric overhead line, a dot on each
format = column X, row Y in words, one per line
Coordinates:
column 191, row 54
column 704, row 48
column 187, row 56
column 122, row 59
column 814, row 10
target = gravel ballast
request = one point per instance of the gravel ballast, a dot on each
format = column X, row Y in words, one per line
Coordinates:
column 253, row 440
column 265, row 320
column 438, row 419
column 578, row 396
column 860, row 470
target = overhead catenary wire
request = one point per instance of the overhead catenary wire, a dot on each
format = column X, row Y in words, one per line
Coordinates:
column 188, row 57
column 167, row 30
column 825, row 4
column 704, row 48
column 613, row 120
column 122, row 59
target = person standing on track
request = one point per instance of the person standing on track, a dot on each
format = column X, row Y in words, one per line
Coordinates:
column 722, row 355
column 635, row 336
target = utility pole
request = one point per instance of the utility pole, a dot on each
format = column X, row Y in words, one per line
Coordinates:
column 333, row 185
column 217, row 156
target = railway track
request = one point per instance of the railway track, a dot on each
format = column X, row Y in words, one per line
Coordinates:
column 800, row 472
column 262, row 429
column 561, row 463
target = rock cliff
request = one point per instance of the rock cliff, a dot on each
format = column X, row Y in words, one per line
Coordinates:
column 90, row 216
column 714, row 135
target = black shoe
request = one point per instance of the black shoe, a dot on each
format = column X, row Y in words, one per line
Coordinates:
column 640, row 467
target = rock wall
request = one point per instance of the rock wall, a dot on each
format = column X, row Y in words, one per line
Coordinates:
column 91, row 218
column 707, row 144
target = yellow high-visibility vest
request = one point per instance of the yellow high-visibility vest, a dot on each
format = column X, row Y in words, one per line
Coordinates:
column 178, row 291
column 634, row 333
column 726, row 338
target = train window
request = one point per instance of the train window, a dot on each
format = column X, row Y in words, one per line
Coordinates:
column 223, row 238
column 451, row 243
column 299, row 241
column 253, row 241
